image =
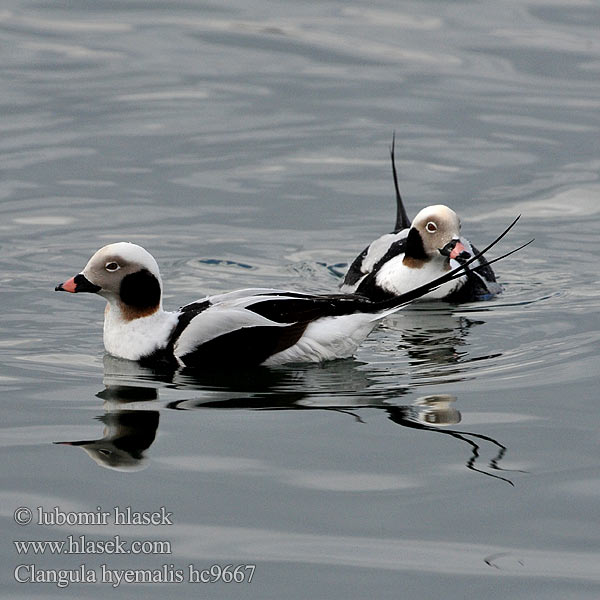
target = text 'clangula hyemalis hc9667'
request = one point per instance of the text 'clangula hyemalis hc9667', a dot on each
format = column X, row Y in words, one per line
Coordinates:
column 257, row 326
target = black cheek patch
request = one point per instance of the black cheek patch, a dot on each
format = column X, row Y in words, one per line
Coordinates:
column 414, row 245
column 140, row 290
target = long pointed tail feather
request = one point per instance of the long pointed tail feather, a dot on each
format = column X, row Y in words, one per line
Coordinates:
column 493, row 260
column 402, row 220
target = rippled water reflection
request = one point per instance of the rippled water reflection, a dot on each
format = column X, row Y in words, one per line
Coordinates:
column 247, row 145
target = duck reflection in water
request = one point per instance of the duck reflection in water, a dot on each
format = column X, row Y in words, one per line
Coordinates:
column 127, row 433
column 435, row 341
column 130, row 432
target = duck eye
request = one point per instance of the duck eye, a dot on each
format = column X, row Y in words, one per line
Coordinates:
column 431, row 227
column 112, row 266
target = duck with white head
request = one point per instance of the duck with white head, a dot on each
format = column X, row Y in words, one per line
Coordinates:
column 416, row 252
column 256, row 326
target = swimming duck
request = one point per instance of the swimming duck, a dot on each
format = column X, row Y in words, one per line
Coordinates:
column 245, row 327
column 417, row 252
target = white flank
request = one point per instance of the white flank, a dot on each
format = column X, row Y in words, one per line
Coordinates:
column 377, row 250
column 379, row 247
column 327, row 339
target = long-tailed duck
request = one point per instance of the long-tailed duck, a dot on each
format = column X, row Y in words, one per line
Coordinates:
column 245, row 327
column 417, row 252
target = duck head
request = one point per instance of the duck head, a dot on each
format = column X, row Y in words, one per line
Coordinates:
column 434, row 233
column 123, row 273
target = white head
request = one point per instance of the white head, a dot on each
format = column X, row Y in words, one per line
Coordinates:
column 126, row 275
column 434, row 232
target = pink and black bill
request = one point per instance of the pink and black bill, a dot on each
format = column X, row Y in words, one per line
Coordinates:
column 455, row 249
column 77, row 284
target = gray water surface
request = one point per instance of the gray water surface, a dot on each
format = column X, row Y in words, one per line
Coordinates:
column 246, row 145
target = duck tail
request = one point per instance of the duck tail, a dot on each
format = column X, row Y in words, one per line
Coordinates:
column 402, row 220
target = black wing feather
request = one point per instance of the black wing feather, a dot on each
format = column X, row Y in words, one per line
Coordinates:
column 305, row 309
column 248, row 346
column 355, row 272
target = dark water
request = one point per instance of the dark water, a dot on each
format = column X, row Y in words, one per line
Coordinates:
column 246, row 144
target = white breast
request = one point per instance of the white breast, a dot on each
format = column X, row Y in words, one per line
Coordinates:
column 397, row 278
column 139, row 337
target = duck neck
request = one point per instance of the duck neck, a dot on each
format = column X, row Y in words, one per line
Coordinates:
column 133, row 333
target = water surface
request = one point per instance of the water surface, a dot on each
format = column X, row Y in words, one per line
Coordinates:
column 247, row 145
